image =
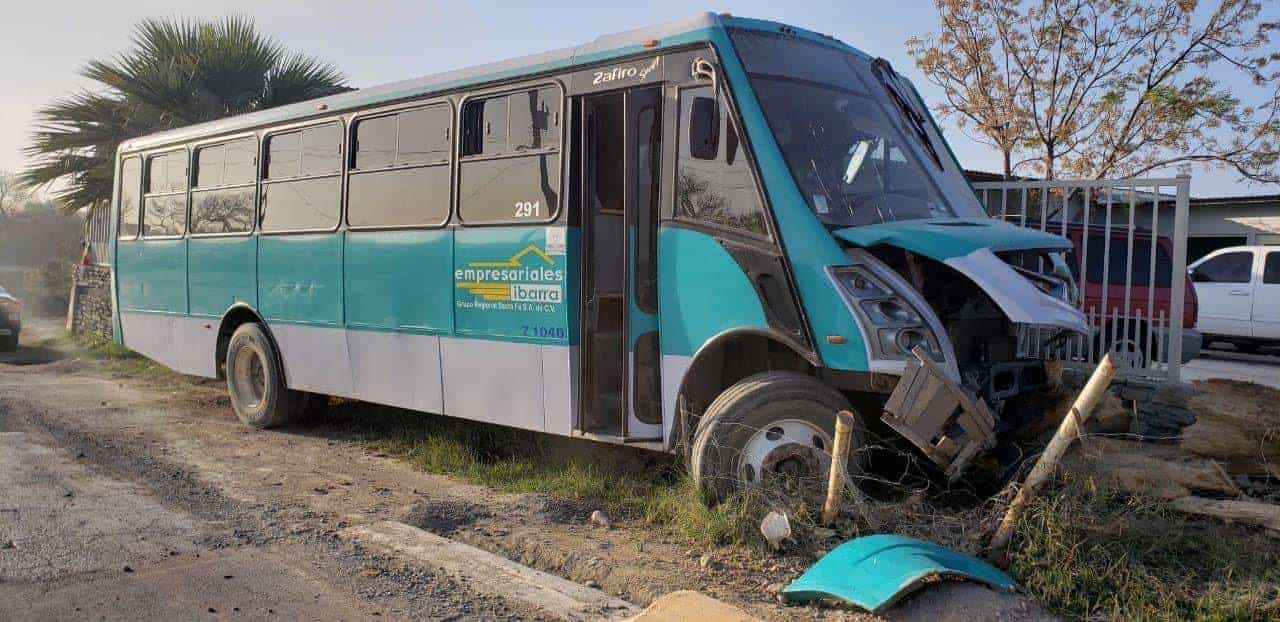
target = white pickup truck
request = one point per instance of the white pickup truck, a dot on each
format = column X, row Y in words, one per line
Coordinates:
column 1239, row 293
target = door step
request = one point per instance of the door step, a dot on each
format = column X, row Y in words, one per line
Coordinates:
column 654, row 444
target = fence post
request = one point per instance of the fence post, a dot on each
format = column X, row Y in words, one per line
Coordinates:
column 1179, row 277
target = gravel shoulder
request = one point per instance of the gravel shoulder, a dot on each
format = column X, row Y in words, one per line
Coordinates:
column 273, row 506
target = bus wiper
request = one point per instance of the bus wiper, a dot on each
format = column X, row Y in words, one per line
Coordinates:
column 889, row 78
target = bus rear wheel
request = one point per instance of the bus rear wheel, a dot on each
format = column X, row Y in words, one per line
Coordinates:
column 769, row 425
column 255, row 381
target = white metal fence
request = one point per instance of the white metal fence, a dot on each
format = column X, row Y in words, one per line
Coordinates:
column 97, row 234
column 1129, row 263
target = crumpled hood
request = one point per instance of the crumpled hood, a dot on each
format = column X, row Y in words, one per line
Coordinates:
column 942, row 239
column 968, row 245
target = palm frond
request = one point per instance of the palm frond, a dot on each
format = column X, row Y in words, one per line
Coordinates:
column 177, row 72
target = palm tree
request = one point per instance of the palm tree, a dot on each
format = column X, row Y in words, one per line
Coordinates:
column 180, row 72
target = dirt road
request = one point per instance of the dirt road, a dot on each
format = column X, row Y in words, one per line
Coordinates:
column 1263, row 368
column 128, row 498
column 111, row 509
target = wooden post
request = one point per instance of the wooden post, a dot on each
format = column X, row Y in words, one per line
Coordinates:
column 1068, row 430
column 839, row 460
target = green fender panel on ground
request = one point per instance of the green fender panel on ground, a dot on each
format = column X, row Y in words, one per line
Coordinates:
column 873, row 572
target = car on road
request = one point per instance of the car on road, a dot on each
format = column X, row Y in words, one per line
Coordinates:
column 10, row 321
column 1239, row 290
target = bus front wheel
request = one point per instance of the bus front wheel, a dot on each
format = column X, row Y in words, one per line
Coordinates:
column 256, row 381
column 769, row 425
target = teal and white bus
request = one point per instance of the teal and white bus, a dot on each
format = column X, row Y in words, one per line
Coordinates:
column 708, row 235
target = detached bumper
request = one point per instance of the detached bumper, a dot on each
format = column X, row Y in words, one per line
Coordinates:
column 939, row 417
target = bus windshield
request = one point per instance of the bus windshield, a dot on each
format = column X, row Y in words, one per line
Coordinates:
column 850, row 157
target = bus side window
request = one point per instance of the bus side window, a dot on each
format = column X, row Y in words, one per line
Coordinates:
column 130, row 184
column 223, row 187
column 302, row 190
column 510, row 166
column 400, row 169
column 164, row 205
column 714, row 184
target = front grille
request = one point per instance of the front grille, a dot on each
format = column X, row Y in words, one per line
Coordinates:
column 1041, row 342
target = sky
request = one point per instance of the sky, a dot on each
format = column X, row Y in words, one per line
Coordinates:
column 44, row 43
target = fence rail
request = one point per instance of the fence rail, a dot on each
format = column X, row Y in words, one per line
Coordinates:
column 1129, row 262
column 97, row 235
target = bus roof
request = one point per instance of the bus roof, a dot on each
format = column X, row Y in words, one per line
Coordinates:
column 669, row 34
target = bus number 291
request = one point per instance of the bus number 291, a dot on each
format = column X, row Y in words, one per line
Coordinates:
column 528, row 209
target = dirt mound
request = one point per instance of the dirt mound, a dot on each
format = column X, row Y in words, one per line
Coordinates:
column 1238, row 424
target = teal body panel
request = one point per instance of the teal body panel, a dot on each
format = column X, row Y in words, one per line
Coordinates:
column 809, row 246
column 300, row 278
column 703, row 291
column 509, row 285
column 127, row 275
column 873, row 572
column 942, row 239
column 222, row 272
column 399, row 280
column 153, row 276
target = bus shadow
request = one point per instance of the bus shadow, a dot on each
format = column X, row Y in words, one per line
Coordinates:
column 501, row 457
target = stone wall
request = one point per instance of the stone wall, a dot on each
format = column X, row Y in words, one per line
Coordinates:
column 91, row 309
column 1160, row 410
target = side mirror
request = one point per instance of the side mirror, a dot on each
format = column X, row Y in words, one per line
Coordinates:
column 704, row 129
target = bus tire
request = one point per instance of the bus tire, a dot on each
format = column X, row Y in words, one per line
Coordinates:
column 255, row 381
column 9, row 343
column 771, row 422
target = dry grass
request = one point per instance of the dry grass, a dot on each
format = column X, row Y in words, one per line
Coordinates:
column 1088, row 552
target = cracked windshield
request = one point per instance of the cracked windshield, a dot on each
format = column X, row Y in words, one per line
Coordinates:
column 851, row 163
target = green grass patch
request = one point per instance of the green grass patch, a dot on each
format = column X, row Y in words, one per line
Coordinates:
column 1088, row 552
column 114, row 357
column 624, row 482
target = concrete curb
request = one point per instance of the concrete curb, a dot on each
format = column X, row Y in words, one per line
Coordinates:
column 493, row 574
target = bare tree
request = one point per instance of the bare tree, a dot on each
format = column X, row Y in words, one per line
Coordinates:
column 12, row 193
column 979, row 81
column 1125, row 87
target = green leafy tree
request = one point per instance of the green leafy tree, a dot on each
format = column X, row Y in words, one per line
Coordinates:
column 179, row 72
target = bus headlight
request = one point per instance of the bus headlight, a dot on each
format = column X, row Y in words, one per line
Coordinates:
column 884, row 308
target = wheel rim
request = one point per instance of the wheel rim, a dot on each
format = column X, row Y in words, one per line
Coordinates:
column 250, row 377
column 791, row 447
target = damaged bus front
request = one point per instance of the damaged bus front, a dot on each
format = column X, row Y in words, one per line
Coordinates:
column 920, row 306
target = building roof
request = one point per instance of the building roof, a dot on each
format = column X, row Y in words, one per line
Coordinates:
column 1236, row 201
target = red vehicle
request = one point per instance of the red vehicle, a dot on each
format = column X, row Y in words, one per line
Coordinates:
column 1120, row 329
